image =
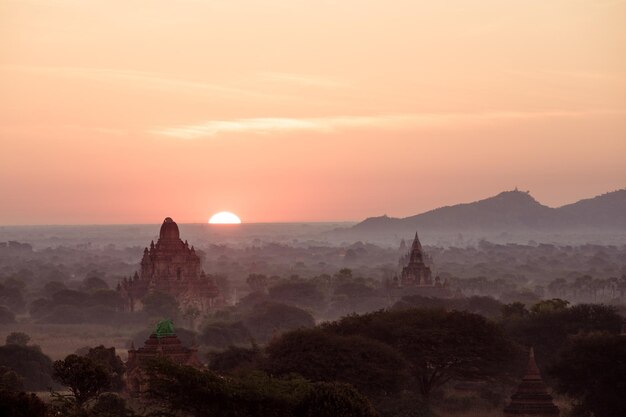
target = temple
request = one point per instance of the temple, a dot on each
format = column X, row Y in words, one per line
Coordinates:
column 171, row 267
column 532, row 397
column 416, row 273
column 162, row 343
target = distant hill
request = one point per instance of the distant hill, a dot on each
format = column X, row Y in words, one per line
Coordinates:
column 510, row 210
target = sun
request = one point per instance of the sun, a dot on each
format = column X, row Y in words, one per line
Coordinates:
column 224, row 217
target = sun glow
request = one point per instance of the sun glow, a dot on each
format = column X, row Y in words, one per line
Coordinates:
column 224, row 217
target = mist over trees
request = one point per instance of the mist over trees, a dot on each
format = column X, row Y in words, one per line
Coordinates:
column 310, row 326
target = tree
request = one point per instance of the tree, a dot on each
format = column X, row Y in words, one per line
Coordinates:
column 325, row 399
column 554, row 304
column 11, row 296
column 17, row 338
column 107, row 358
column 299, row 293
column 222, row 335
column 485, row 306
column 514, row 310
column 110, row 405
column 268, row 319
column 94, row 282
column 257, row 282
column 20, row 404
column 161, row 305
column 69, row 297
column 592, row 369
column 107, row 298
column 85, row 378
column 188, row 390
column 235, row 359
column 182, row 389
column 52, row 287
column 30, row 364
column 547, row 331
column 10, row 380
column 369, row 365
column 439, row 346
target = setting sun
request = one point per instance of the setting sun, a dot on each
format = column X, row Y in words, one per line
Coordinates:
column 224, row 217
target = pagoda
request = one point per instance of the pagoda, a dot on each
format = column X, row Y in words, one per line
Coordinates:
column 416, row 272
column 171, row 267
column 163, row 343
column 532, row 397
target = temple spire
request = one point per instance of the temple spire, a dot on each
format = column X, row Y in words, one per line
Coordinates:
column 416, row 243
column 416, row 255
column 532, row 371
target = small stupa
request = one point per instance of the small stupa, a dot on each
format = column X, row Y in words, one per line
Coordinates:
column 532, row 397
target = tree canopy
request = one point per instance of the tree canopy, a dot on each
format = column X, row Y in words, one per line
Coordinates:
column 438, row 345
column 85, row 378
column 369, row 365
column 592, row 369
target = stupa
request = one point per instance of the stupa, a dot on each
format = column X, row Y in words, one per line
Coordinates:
column 532, row 397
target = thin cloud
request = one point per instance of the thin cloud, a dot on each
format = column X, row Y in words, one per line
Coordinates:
column 263, row 126
column 148, row 80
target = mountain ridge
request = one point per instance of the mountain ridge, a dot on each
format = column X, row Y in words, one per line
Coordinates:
column 511, row 210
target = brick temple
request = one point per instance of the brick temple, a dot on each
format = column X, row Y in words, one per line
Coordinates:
column 416, row 273
column 532, row 397
column 171, row 267
column 163, row 343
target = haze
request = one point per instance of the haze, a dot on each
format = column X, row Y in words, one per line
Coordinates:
column 122, row 112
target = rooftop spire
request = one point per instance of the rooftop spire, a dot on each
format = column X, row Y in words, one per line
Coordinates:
column 416, row 251
column 532, row 371
column 416, row 242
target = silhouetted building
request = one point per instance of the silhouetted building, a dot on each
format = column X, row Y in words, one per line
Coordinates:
column 532, row 397
column 416, row 272
column 171, row 267
column 162, row 343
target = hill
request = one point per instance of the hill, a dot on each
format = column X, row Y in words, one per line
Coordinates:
column 510, row 210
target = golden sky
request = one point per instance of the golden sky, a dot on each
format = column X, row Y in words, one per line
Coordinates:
column 118, row 111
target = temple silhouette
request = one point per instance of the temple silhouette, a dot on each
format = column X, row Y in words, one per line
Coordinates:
column 170, row 267
column 163, row 343
column 416, row 272
column 532, row 397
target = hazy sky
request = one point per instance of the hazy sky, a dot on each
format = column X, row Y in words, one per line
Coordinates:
column 290, row 110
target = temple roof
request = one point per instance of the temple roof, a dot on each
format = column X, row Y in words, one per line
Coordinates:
column 169, row 230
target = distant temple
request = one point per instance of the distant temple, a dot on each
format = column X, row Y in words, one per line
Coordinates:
column 416, row 273
column 162, row 343
column 171, row 267
column 532, row 397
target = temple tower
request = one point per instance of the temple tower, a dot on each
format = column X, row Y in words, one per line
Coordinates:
column 416, row 272
column 532, row 397
column 171, row 267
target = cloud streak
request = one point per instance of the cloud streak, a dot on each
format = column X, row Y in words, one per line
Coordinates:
column 147, row 80
column 269, row 125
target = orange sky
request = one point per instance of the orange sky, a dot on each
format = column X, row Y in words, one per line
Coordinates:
column 293, row 110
